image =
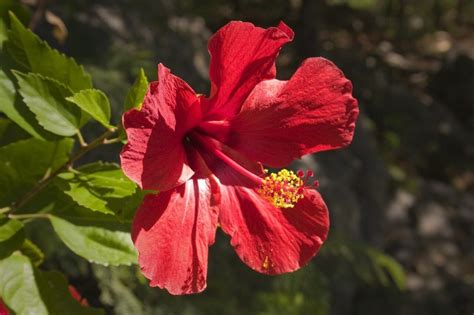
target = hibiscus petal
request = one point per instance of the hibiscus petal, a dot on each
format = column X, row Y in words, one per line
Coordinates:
column 172, row 232
column 154, row 156
column 3, row 308
column 283, row 120
column 268, row 239
column 175, row 101
column 242, row 55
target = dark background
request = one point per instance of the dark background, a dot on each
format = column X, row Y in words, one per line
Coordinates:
column 403, row 189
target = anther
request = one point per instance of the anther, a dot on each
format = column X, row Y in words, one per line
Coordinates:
column 283, row 189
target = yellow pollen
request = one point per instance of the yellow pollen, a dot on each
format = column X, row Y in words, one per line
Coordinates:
column 283, row 189
column 266, row 263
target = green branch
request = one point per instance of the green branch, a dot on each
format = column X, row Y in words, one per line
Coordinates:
column 43, row 183
column 5, row 210
column 29, row 216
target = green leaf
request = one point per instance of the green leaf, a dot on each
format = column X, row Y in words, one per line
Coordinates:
column 45, row 97
column 96, row 244
column 11, row 103
column 98, row 186
column 137, row 92
column 30, row 250
column 117, row 290
column 3, row 32
column 61, row 205
column 134, row 98
column 52, row 200
column 56, row 294
column 12, row 236
column 14, row 108
column 34, row 55
column 125, row 208
column 386, row 264
column 109, row 176
column 95, row 103
column 25, row 162
column 366, row 263
column 27, row 290
column 18, row 286
column 7, row 89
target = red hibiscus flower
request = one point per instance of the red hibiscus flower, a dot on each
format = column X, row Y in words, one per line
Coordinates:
column 204, row 156
column 77, row 296
column 3, row 309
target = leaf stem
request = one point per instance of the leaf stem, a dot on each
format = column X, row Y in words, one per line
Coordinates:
column 43, row 183
column 82, row 142
column 111, row 141
column 47, row 173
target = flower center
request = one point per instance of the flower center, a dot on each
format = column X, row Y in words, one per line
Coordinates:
column 283, row 189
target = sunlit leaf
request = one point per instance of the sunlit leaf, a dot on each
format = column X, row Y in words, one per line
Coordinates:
column 135, row 97
column 137, row 92
column 97, row 186
column 27, row 290
column 18, row 286
column 34, row 55
column 46, row 99
column 95, row 103
column 96, row 244
column 14, row 108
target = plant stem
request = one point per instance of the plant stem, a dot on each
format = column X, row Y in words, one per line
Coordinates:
column 29, row 216
column 48, row 179
column 38, row 15
column 5, row 210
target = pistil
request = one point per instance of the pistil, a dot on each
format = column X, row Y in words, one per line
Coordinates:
column 212, row 147
column 219, row 128
column 283, row 189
